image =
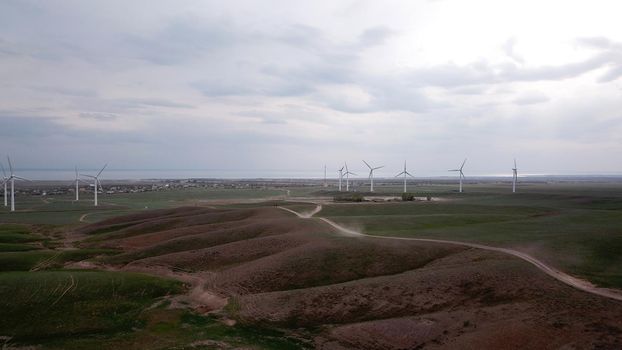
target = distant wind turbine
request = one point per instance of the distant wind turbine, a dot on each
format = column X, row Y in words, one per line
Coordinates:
column 5, row 180
column 77, row 183
column 461, row 173
column 514, row 176
column 405, row 173
column 12, row 178
column 340, row 177
column 325, row 183
column 371, row 175
column 347, row 174
column 96, row 184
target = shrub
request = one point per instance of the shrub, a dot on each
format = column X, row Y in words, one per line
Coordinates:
column 408, row 197
column 352, row 197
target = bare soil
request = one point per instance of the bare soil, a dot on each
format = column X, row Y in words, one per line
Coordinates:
column 279, row 270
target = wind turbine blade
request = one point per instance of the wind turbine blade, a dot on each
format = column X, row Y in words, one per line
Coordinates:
column 366, row 164
column 91, row 176
column 514, row 163
column 462, row 166
column 99, row 173
column 376, row 168
column 21, row 178
column 454, row 170
column 10, row 165
column 400, row 173
column 76, row 171
column 346, row 165
column 3, row 172
column 409, row 174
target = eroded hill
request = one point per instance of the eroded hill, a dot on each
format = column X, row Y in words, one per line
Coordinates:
column 277, row 270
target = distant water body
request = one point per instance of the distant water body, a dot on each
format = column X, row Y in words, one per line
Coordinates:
column 145, row 174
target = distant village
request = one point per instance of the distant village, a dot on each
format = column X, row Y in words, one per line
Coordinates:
column 59, row 188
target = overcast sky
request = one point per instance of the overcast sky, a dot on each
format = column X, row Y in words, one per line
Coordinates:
column 295, row 85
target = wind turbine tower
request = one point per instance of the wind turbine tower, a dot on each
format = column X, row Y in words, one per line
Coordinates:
column 96, row 183
column 405, row 173
column 325, row 183
column 12, row 178
column 347, row 174
column 340, row 177
column 5, row 180
column 461, row 173
column 371, row 175
column 514, row 176
column 77, row 185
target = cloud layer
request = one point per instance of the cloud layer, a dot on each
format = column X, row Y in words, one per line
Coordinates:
column 276, row 85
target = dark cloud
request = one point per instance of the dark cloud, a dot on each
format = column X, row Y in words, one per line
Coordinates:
column 185, row 39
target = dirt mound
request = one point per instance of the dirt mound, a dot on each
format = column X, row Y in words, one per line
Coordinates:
column 359, row 292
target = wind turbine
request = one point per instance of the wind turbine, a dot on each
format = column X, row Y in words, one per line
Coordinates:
column 325, row 183
column 347, row 174
column 12, row 179
column 340, row 177
column 371, row 175
column 96, row 181
column 514, row 176
column 461, row 173
column 5, row 180
column 77, row 181
column 405, row 173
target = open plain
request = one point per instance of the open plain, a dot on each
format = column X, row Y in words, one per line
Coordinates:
column 260, row 269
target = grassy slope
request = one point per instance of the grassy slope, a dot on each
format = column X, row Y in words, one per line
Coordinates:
column 578, row 231
column 69, row 309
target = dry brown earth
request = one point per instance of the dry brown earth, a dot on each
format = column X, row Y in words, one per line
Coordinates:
column 358, row 292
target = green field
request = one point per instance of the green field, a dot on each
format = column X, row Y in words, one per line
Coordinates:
column 575, row 227
column 63, row 210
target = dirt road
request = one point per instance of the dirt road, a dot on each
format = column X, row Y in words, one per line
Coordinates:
column 551, row 271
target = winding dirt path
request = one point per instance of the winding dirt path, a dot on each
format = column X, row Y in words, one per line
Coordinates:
column 549, row 270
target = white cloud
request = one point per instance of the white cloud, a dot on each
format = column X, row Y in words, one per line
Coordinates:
column 232, row 82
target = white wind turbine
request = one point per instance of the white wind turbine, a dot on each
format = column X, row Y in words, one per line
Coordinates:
column 461, row 173
column 371, row 175
column 405, row 173
column 347, row 174
column 77, row 183
column 12, row 178
column 514, row 176
column 325, row 183
column 340, row 177
column 96, row 184
column 5, row 180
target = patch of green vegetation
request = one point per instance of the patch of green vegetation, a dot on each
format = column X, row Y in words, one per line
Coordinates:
column 244, row 335
column 46, row 259
column 16, row 247
column 17, row 234
column 47, row 305
column 576, row 230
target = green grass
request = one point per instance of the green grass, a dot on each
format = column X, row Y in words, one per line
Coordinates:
column 42, row 306
column 63, row 210
column 46, row 259
column 16, row 247
column 574, row 228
